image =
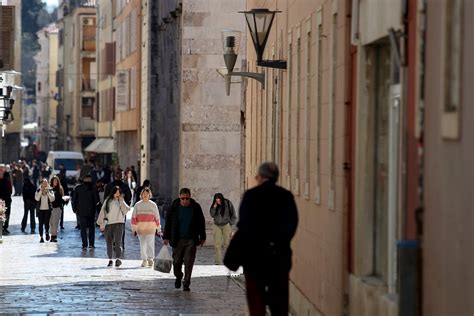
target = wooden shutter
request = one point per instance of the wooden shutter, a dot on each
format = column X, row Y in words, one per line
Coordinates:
column 7, row 37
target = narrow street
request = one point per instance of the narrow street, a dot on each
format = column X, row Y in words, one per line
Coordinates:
column 61, row 278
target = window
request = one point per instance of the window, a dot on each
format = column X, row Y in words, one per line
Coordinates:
column 319, row 98
column 88, row 107
column 307, row 137
column 297, row 140
column 133, row 30
column 381, row 94
column 288, row 110
column 133, row 87
column 331, row 118
column 450, row 123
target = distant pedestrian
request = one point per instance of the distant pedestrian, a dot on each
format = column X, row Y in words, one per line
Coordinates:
column 223, row 212
column 6, row 195
column 44, row 196
column 146, row 184
column 57, row 206
column 17, row 175
column 146, row 224
column 84, row 203
column 63, row 180
column 185, row 229
column 29, row 204
column 134, row 173
column 111, row 221
column 131, row 182
column 36, row 172
column 268, row 221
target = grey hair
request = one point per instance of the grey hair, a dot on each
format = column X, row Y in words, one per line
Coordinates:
column 269, row 171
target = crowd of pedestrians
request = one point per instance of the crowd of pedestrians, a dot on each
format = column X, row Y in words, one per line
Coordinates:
column 267, row 222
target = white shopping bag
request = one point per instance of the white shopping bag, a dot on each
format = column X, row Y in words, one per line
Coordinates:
column 164, row 261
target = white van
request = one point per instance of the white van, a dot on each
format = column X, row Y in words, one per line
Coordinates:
column 72, row 162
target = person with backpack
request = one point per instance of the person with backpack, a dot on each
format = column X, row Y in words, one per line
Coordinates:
column 111, row 221
column 84, row 203
column 223, row 212
column 57, row 206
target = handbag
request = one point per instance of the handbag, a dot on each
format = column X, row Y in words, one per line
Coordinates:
column 235, row 254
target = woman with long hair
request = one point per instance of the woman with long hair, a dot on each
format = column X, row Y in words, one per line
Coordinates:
column 223, row 212
column 57, row 205
column 111, row 221
column 44, row 196
column 146, row 224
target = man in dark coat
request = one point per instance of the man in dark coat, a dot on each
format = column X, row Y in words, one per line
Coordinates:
column 268, row 221
column 84, row 203
column 6, row 195
column 185, row 229
column 122, row 185
column 29, row 204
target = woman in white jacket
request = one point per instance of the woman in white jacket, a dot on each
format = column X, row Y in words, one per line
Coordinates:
column 44, row 196
column 112, row 222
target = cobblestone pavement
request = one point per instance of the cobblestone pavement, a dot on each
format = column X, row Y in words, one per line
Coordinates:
column 61, row 278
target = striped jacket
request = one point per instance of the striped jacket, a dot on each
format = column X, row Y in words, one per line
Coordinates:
column 145, row 218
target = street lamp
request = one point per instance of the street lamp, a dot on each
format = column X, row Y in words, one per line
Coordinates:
column 231, row 46
column 260, row 22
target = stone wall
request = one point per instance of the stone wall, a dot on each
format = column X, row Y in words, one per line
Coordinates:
column 210, row 127
column 164, row 98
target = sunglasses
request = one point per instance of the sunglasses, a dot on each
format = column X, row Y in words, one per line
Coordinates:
column 185, row 199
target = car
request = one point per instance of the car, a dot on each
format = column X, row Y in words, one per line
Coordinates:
column 72, row 162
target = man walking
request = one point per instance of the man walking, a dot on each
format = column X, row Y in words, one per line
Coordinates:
column 29, row 202
column 6, row 195
column 84, row 204
column 268, row 221
column 184, row 231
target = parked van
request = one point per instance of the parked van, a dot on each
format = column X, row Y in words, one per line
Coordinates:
column 72, row 161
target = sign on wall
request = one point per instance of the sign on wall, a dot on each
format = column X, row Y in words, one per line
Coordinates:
column 122, row 90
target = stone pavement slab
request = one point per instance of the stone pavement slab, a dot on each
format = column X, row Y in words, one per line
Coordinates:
column 61, row 278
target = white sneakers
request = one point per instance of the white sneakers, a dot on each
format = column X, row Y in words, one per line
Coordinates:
column 150, row 262
column 144, row 263
column 147, row 263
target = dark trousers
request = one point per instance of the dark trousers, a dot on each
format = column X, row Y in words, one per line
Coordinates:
column 87, row 230
column 273, row 292
column 30, row 207
column 113, row 237
column 18, row 187
column 184, row 252
column 61, row 223
column 8, row 206
column 43, row 217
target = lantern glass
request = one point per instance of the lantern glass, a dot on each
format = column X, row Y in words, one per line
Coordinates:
column 259, row 22
column 231, row 41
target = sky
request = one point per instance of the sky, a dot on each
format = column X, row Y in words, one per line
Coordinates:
column 51, row 3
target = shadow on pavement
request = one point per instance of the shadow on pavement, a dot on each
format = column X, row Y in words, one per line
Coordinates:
column 215, row 295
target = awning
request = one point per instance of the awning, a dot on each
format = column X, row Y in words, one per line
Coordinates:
column 101, row 146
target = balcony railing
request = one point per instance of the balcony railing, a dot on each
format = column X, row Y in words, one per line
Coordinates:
column 89, row 85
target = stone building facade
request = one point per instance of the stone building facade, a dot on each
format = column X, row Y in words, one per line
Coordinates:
column 195, row 130
column 77, row 76
column 46, row 90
